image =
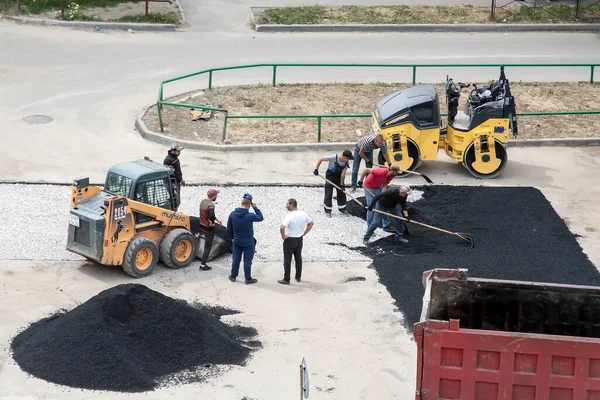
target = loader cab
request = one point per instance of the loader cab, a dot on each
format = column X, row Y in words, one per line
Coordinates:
column 144, row 181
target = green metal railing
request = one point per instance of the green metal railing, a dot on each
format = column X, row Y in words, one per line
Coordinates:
column 319, row 117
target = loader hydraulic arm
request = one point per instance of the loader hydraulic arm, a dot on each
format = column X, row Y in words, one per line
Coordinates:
column 160, row 216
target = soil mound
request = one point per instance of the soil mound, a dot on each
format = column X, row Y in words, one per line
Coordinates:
column 128, row 338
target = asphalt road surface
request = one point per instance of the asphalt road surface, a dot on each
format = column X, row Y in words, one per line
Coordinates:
column 93, row 84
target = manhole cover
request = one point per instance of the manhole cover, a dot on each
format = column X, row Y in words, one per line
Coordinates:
column 37, row 119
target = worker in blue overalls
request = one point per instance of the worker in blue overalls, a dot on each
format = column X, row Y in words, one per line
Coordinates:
column 336, row 173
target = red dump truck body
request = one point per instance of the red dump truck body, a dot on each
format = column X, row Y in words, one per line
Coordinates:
column 484, row 339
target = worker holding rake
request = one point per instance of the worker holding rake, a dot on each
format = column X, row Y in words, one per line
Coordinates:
column 336, row 174
column 388, row 202
column 376, row 182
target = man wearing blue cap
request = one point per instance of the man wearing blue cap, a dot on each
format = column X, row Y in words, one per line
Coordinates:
column 240, row 227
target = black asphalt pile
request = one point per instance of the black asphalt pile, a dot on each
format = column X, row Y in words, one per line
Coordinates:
column 517, row 235
column 356, row 209
column 129, row 339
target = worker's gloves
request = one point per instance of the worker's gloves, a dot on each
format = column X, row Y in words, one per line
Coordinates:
column 360, row 183
column 316, row 172
column 406, row 218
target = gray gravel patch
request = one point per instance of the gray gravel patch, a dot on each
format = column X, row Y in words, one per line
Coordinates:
column 36, row 222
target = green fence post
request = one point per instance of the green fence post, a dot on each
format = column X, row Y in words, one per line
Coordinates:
column 225, row 127
column 159, row 112
column 210, row 79
column 414, row 74
column 319, row 129
column 592, row 73
column 274, row 75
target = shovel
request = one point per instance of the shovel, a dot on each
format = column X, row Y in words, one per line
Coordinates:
column 406, row 232
column 410, row 172
column 464, row 236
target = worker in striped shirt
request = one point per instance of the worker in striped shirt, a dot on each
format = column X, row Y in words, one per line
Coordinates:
column 364, row 149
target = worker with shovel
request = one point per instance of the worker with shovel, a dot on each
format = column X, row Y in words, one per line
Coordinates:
column 336, row 173
column 388, row 202
column 376, row 182
column 364, row 151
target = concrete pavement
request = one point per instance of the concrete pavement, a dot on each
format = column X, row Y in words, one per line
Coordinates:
column 93, row 85
column 93, row 99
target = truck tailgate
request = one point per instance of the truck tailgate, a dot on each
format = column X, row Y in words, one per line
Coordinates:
column 496, row 362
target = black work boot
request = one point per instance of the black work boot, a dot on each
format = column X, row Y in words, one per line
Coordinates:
column 283, row 282
column 251, row 281
column 232, row 278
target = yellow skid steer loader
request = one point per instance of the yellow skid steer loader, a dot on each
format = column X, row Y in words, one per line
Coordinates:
column 132, row 222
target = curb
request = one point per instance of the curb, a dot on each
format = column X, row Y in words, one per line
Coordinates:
column 555, row 142
column 167, row 140
column 429, row 28
column 183, row 20
column 93, row 24
column 329, row 146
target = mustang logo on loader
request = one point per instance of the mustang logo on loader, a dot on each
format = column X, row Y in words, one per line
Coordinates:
column 115, row 235
column 173, row 216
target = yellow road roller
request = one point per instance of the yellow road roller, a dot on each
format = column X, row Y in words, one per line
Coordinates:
column 411, row 124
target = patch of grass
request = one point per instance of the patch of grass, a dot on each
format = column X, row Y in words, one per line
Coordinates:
column 153, row 18
column 423, row 14
column 557, row 12
column 40, row 6
column 293, row 15
column 8, row 7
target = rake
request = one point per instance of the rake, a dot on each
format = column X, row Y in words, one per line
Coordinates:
column 409, row 172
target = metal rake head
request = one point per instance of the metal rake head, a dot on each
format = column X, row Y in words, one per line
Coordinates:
column 466, row 237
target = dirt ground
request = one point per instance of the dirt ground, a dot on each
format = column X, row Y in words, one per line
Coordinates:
column 356, row 99
column 505, row 11
column 114, row 13
column 353, row 341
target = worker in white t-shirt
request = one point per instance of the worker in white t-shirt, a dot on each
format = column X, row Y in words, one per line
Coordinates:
column 294, row 227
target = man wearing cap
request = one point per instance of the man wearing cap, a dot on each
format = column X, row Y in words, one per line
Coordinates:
column 376, row 182
column 364, row 151
column 172, row 160
column 388, row 202
column 240, row 227
column 207, row 222
column 336, row 173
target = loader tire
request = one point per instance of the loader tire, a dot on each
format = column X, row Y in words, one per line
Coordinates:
column 178, row 248
column 140, row 258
